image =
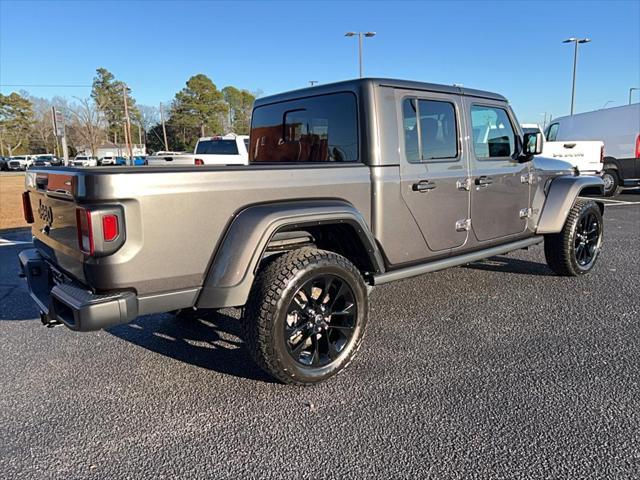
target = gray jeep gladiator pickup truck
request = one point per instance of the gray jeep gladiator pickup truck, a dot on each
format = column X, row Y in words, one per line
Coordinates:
column 350, row 185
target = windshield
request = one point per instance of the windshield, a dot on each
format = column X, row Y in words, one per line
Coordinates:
column 217, row 147
column 17, row 158
column 530, row 130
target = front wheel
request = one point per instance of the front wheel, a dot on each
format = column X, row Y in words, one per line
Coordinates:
column 575, row 249
column 306, row 316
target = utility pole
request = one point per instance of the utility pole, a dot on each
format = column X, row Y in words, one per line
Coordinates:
column 128, row 129
column 164, row 129
column 1, row 145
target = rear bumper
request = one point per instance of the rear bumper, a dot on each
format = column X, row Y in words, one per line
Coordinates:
column 63, row 300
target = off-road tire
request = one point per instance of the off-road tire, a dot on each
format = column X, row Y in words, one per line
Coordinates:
column 615, row 183
column 273, row 291
column 560, row 249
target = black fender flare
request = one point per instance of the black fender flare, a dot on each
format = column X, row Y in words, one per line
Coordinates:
column 561, row 195
column 236, row 260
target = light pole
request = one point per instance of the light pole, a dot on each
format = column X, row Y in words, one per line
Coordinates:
column 360, row 35
column 631, row 91
column 576, row 41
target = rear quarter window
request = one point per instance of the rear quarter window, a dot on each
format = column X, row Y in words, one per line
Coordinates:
column 217, row 147
column 314, row 129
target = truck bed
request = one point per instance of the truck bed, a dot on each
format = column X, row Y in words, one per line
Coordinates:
column 174, row 217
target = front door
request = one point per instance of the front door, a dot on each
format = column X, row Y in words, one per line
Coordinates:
column 500, row 184
column 433, row 170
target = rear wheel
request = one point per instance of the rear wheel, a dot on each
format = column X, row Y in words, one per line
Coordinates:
column 575, row 249
column 611, row 183
column 306, row 316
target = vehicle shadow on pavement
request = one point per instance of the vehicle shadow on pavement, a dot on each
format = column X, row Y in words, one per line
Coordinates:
column 511, row 265
column 208, row 340
column 15, row 301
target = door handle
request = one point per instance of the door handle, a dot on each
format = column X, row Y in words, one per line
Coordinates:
column 423, row 186
column 484, row 181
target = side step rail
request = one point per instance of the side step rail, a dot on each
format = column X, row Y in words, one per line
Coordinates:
column 454, row 261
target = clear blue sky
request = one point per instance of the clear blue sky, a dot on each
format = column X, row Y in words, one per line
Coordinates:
column 513, row 48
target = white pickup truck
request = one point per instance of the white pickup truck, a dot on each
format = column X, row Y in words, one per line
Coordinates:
column 587, row 156
column 219, row 150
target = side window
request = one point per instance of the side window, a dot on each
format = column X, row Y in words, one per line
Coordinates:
column 314, row 129
column 438, row 130
column 552, row 132
column 493, row 135
column 430, row 130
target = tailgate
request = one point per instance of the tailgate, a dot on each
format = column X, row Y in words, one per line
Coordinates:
column 54, row 210
column 170, row 160
column 586, row 155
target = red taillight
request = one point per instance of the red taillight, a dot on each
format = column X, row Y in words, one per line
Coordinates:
column 26, row 208
column 638, row 146
column 109, row 227
column 199, row 161
column 85, row 232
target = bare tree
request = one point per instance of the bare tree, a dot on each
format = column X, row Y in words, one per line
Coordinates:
column 42, row 134
column 87, row 124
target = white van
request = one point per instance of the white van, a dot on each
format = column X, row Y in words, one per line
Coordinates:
column 619, row 129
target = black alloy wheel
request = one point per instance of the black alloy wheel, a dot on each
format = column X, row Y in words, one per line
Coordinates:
column 321, row 320
column 587, row 239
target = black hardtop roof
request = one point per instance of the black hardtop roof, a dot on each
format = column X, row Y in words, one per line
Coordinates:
column 357, row 84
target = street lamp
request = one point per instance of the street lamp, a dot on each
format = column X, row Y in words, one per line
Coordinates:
column 576, row 41
column 631, row 91
column 360, row 35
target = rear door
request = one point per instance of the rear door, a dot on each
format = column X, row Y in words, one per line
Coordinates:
column 500, row 184
column 434, row 170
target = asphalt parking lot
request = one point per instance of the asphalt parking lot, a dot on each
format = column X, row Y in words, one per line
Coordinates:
column 498, row 369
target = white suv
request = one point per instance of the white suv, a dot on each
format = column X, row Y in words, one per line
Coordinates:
column 84, row 161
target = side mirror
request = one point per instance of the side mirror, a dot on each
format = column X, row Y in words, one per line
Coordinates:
column 533, row 143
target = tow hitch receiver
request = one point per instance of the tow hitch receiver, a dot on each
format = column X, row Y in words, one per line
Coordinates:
column 48, row 322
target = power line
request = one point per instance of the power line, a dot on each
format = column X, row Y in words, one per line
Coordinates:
column 41, row 85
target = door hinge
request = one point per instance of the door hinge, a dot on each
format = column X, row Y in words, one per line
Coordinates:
column 525, row 213
column 464, row 184
column 463, row 225
column 527, row 178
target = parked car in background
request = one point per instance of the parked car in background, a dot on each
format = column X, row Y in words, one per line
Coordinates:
column 586, row 155
column 139, row 161
column 46, row 160
column 350, row 186
column 111, row 160
column 229, row 149
column 20, row 162
column 619, row 129
column 84, row 161
column 4, row 164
